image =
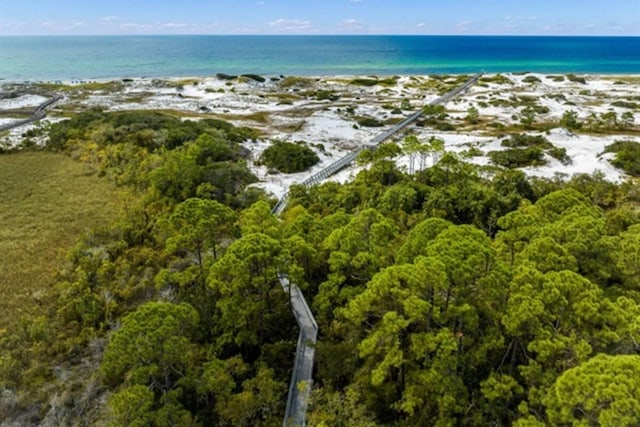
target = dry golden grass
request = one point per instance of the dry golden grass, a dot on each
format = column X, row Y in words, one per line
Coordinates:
column 47, row 201
column 257, row 116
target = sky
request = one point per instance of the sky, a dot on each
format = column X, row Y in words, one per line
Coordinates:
column 447, row 17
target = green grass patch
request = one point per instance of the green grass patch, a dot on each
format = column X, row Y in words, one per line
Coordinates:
column 48, row 202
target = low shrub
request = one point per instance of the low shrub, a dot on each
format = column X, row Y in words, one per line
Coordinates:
column 255, row 77
column 323, row 95
column 627, row 156
column 524, row 140
column 293, row 81
column 560, row 154
column 289, row 157
column 527, row 150
column 518, row 157
column 363, row 82
column 626, row 104
column 531, row 79
column 576, row 79
column 223, row 76
column 558, row 78
column 369, row 122
column 498, row 79
column 445, row 126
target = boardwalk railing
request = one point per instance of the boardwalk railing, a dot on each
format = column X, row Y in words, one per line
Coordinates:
column 301, row 377
column 38, row 113
column 345, row 161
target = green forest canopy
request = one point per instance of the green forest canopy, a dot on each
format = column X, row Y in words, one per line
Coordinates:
column 455, row 296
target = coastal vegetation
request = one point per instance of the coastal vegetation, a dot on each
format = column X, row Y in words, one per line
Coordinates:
column 527, row 150
column 576, row 79
column 370, row 122
column 446, row 292
column 389, row 82
column 289, row 157
column 627, row 156
column 50, row 201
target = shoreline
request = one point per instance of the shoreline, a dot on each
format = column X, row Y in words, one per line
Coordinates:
column 326, row 112
column 270, row 76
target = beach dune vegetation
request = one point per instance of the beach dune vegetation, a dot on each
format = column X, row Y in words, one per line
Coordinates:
column 446, row 292
column 369, row 122
column 289, row 157
column 527, row 150
column 627, row 156
column 255, row 77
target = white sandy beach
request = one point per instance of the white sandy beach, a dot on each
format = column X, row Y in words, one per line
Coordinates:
column 291, row 113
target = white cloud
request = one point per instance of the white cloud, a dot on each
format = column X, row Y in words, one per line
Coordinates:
column 175, row 25
column 464, row 25
column 290, row 24
column 108, row 18
column 136, row 26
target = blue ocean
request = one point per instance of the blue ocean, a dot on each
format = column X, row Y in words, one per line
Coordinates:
column 103, row 57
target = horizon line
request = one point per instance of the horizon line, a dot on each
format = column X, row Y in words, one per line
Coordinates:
column 317, row 35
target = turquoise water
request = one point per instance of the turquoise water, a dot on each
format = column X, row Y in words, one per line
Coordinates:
column 100, row 57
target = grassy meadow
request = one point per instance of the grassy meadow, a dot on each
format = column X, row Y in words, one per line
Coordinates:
column 47, row 201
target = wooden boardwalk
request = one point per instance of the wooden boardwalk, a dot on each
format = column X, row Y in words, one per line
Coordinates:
column 345, row 161
column 302, row 375
column 37, row 113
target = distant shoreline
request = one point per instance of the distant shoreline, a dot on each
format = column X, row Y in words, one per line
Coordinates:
column 76, row 82
column 337, row 114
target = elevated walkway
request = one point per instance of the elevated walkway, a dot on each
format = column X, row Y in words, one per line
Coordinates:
column 302, row 376
column 345, row 161
column 37, row 113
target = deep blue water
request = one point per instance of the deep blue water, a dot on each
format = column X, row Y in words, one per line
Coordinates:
column 99, row 57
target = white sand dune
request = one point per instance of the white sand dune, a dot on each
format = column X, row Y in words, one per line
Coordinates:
column 293, row 114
